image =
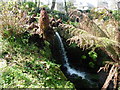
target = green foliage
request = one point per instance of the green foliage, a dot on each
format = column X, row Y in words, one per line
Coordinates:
column 46, row 52
column 58, row 15
column 116, row 14
column 83, row 57
column 73, row 45
column 91, row 64
column 29, row 5
column 34, row 74
column 46, row 7
column 93, row 55
column 28, row 67
column 70, row 5
column 74, row 23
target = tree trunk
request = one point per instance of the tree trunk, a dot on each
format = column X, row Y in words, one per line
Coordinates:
column 39, row 3
column 66, row 10
column 53, row 4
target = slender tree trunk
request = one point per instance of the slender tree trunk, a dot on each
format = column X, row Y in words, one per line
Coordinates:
column 38, row 3
column 53, row 4
column 66, row 10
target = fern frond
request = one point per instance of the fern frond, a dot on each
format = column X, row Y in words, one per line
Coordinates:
column 83, row 40
column 86, row 40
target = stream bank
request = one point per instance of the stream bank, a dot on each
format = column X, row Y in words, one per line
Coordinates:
column 81, row 65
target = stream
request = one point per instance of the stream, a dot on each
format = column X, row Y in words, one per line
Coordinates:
column 70, row 70
column 77, row 77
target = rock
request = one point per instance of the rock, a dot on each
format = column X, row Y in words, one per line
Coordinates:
column 3, row 63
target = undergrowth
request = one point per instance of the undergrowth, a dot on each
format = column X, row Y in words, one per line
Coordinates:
column 27, row 66
column 24, row 65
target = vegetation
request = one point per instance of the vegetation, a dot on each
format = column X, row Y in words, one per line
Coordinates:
column 25, row 65
column 22, row 64
column 29, row 67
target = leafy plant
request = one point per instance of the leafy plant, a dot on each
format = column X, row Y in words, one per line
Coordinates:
column 93, row 55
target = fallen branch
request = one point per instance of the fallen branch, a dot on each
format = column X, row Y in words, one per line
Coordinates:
column 110, row 76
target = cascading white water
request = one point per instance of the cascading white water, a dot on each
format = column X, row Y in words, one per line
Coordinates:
column 66, row 64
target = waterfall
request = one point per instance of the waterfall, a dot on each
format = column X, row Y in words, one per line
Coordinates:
column 65, row 59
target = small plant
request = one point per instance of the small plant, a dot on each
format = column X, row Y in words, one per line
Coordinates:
column 93, row 55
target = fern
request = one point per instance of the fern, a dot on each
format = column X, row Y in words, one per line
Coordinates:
column 101, row 31
column 86, row 40
column 95, row 32
column 82, row 40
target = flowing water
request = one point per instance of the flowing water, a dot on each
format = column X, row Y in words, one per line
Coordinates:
column 70, row 70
